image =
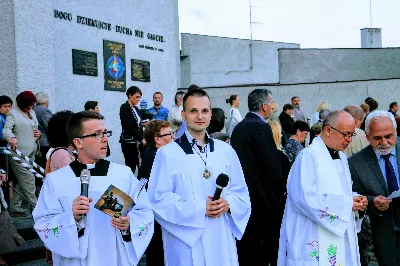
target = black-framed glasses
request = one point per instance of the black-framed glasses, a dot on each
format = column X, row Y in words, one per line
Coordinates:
column 98, row 135
column 346, row 136
column 168, row 134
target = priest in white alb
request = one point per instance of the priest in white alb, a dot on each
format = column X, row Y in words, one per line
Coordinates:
column 322, row 214
column 69, row 225
column 198, row 231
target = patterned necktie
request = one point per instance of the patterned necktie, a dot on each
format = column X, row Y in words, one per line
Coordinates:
column 390, row 175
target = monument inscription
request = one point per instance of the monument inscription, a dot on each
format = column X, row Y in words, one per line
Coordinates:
column 114, row 66
column 84, row 63
column 140, row 70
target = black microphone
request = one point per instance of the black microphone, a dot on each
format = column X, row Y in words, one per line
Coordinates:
column 85, row 178
column 222, row 181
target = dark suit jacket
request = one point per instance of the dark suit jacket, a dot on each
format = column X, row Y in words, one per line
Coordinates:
column 287, row 123
column 368, row 180
column 253, row 142
column 131, row 132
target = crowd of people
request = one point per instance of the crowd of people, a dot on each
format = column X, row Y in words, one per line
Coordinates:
column 300, row 191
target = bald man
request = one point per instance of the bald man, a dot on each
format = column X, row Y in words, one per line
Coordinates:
column 321, row 216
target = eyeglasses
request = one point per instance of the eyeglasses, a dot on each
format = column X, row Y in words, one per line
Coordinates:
column 98, row 135
column 168, row 134
column 346, row 136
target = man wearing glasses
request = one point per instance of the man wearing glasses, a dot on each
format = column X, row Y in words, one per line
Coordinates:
column 68, row 224
column 321, row 217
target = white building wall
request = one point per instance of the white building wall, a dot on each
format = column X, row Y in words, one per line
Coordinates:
column 338, row 95
column 216, row 61
column 331, row 65
column 44, row 53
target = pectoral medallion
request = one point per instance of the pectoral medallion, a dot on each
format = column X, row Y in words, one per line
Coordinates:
column 206, row 174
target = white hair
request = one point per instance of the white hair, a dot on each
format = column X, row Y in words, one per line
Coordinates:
column 378, row 115
column 42, row 97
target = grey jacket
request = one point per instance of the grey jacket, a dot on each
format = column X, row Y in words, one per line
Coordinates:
column 368, row 180
column 43, row 115
column 20, row 126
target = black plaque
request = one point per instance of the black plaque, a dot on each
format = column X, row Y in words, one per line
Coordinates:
column 140, row 70
column 84, row 63
column 114, row 66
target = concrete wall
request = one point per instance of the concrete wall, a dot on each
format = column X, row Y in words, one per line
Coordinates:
column 338, row 95
column 8, row 72
column 44, row 52
column 216, row 61
column 330, row 65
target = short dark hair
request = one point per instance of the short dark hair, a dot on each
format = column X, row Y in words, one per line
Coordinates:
column 194, row 93
column 132, row 90
column 287, row 106
column 157, row 92
column 4, row 99
column 373, row 105
column 25, row 98
column 90, row 105
column 75, row 123
column 393, row 104
column 257, row 98
column 193, row 86
column 294, row 97
column 367, row 99
column 153, row 130
column 57, row 129
column 300, row 125
column 231, row 99
column 217, row 121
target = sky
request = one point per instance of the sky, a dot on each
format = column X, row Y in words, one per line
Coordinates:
column 310, row 23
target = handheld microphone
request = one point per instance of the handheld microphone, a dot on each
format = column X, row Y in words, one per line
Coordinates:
column 85, row 178
column 222, row 181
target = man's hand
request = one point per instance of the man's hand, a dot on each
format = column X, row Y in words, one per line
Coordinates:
column 121, row 223
column 13, row 143
column 360, row 203
column 216, row 208
column 37, row 133
column 381, row 203
column 80, row 206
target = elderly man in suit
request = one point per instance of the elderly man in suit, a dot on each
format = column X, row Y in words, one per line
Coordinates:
column 375, row 173
column 253, row 142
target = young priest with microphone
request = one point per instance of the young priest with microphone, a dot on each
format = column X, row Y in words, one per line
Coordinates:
column 69, row 224
column 197, row 228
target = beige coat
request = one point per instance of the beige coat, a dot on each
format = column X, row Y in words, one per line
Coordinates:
column 358, row 143
column 20, row 126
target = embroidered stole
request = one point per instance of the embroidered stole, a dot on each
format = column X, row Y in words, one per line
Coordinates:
column 330, row 175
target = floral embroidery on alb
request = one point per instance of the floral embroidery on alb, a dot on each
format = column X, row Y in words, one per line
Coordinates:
column 47, row 230
column 314, row 246
column 332, row 216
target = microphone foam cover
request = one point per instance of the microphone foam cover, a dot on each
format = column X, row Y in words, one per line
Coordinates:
column 222, row 180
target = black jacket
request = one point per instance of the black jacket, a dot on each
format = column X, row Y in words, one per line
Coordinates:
column 147, row 163
column 287, row 123
column 254, row 144
column 131, row 132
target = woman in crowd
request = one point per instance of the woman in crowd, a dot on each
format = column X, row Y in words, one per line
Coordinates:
column 157, row 134
column 299, row 135
column 321, row 106
column 61, row 153
column 21, row 132
column 274, row 110
column 9, row 238
column 234, row 116
column 286, row 164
